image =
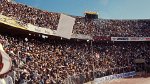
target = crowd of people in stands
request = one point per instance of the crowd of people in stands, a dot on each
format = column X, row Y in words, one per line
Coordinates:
column 123, row 28
column 53, row 61
column 99, row 27
column 116, row 28
column 27, row 14
column 83, row 26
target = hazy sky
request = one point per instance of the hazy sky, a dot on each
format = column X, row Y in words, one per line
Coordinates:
column 109, row 9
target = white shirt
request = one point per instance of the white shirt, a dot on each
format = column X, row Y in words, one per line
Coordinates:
column 2, row 81
column 9, row 80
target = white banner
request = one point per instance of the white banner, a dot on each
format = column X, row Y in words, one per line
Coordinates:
column 130, row 38
column 115, row 76
column 65, row 26
column 37, row 29
column 81, row 36
column 47, row 31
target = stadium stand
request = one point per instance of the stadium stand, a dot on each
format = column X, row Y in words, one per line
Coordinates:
column 42, row 61
column 118, row 28
column 56, row 61
column 100, row 27
column 27, row 14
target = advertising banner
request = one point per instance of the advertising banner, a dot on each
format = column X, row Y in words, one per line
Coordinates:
column 81, row 36
column 37, row 29
column 11, row 22
column 119, row 39
column 115, row 76
column 130, row 38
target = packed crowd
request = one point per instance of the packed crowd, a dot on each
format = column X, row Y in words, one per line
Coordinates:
column 27, row 14
column 83, row 26
column 99, row 27
column 53, row 61
column 123, row 28
column 118, row 28
column 49, row 62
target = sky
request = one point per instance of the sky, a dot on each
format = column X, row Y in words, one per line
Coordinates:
column 107, row 9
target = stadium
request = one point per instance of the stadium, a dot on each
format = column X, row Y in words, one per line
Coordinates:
column 40, row 47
